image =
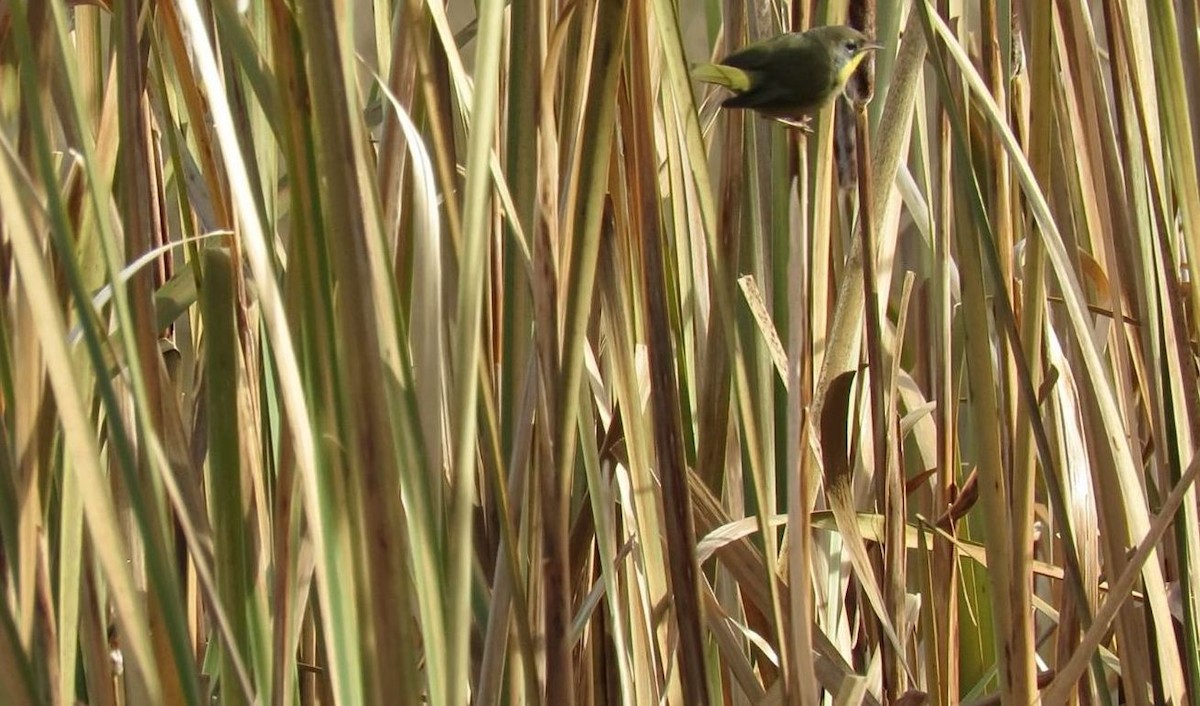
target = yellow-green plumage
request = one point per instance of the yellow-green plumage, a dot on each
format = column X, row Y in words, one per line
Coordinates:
column 790, row 76
column 727, row 76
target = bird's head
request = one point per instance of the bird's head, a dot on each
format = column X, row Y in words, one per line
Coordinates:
column 846, row 46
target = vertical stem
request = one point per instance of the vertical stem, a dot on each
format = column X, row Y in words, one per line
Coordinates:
column 945, row 562
column 666, row 419
column 861, row 15
column 892, row 671
column 586, row 216
column 800, row 493
column 1023, row 668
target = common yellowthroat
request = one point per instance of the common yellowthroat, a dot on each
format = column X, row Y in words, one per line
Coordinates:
column 790, row 77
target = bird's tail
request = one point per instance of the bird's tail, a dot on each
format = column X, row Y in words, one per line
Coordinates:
column 732, row 78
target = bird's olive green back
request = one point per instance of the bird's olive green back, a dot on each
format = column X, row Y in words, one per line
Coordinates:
column 792, row 73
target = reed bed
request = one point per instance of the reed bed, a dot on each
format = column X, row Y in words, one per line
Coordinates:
column 393, row 352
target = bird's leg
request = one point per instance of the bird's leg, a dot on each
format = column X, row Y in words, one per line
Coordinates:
column 803, row 123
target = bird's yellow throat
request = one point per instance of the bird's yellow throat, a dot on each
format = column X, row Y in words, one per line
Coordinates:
column 848, row 69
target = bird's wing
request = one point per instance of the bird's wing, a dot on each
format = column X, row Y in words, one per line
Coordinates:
column 758, row 55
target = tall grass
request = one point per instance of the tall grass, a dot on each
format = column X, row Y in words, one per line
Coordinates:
column 390, row 352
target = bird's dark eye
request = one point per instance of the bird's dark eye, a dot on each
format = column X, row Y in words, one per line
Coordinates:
column 851, row 46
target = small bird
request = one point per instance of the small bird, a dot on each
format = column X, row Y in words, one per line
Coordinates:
column 790, row 77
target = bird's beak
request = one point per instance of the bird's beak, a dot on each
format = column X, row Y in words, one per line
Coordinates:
column 872, row 46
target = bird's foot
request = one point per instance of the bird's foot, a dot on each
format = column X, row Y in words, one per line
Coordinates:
column 803, row 124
